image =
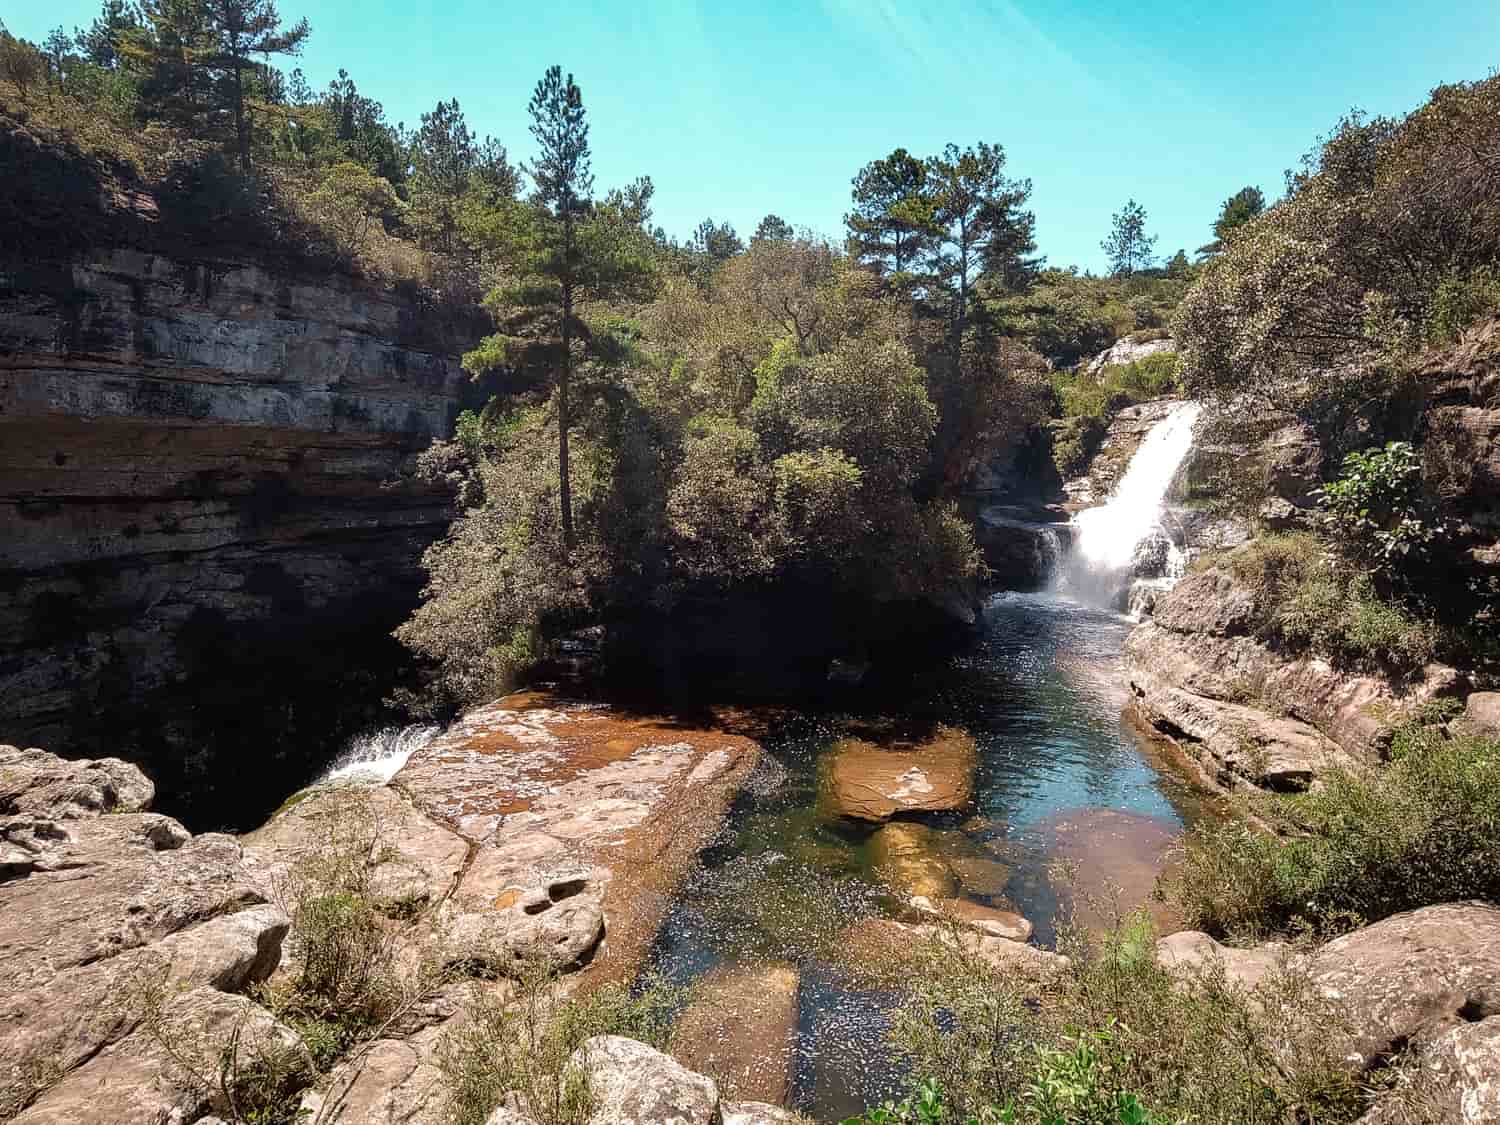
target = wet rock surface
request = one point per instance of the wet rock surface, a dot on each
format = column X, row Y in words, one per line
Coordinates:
column 741, row 1027
column 871, row 782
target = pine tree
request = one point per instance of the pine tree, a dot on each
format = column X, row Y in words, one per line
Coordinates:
column 890, row 225
column 977, row 225
column 1128, row 247
column 99, row 44
column 773, row 228
column 239, row 29
column 1238, row 209
column 563, row 253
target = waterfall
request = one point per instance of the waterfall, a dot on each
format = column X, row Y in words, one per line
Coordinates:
column 375, row 757
column 1108, row 539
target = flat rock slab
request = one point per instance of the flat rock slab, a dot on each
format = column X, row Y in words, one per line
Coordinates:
column 582, row 820
column 866, row 781
column 988, row 920
column 886, row 950
column 741, row 1027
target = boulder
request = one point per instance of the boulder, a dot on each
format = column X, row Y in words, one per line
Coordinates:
column 1412, row 977
column 905, row 856
column 36, row 783
column 169, row 1071
column 1481, row 714
column 1454, row 1080
column 988, row 920
column 741, row 1027
column 99, row 907
column 1129, row 350
column 632, row 1084
column 1190, row 955
column 864, row 781
column 758, row 1113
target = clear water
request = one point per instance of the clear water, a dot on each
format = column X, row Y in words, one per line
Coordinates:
column 1060, row 776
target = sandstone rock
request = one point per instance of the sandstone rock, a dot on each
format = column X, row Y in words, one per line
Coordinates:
column 1412, row 977
column 38, row 784
column 741, row 1027
column 104, row 908
column 869, row 782
column 507, row 1116
column 169, row 1073
column 1128, row 350
column 634, row 1085
column 391, row 1082
column 1113, row 859
column 976, row 916
column 416, row 861
column 1482, row 714
column 1190, row 955
column 581, row 821
column 1456, row 1081
column 758, row 1113
column 905, row 856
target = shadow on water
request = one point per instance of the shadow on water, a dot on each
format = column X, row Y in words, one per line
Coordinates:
column 1060, row 776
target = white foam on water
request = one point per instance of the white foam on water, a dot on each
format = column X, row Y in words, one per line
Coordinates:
column 376, row 757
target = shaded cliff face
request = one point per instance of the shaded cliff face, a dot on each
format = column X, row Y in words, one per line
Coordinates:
column 208, row 520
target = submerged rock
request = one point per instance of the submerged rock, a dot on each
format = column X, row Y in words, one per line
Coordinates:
column 741, row 1026
column 864, row 781
column 905, row 856
column 988, row 920
column 888, row 950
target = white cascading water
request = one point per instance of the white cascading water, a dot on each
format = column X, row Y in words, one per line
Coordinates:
column 375, row 757
column 1106, row 538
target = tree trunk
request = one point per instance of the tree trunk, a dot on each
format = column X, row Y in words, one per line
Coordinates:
column 564, row 484
column 239, row 119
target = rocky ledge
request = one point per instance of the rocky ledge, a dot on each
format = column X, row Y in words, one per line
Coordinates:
column 534, row 827
column 195, row 455
column 1424, row 985
column 1242, row 713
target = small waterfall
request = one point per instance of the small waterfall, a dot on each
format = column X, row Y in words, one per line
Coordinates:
column 1123, row 538
column 374, row 758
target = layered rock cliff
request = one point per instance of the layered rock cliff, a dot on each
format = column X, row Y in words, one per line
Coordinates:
column 208, row 518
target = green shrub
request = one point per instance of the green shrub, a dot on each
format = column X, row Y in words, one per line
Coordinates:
column 1461, row 301
column 519, row 1043
column 1376, row 507
column 1309, row 599
column 1113, row 1040
column 1088, row 402
column 1363, row 846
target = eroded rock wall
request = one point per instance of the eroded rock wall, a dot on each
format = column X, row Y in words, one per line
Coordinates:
column 206, row 491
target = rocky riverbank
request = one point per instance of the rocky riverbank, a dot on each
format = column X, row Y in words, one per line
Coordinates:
column 532, row 828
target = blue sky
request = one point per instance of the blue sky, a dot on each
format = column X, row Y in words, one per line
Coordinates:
column 737, row 108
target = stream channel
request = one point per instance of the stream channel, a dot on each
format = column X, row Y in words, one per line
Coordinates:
column 1061, row 780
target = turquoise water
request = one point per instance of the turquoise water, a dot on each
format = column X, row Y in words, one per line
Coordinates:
column 1060, row 775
